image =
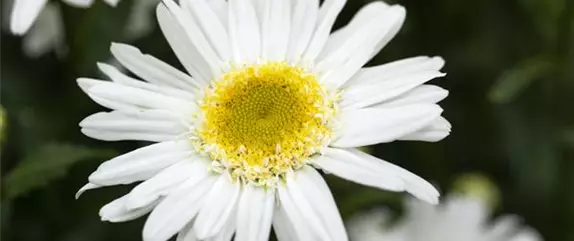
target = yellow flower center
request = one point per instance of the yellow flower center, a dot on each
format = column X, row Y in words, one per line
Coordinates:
column 263, row 120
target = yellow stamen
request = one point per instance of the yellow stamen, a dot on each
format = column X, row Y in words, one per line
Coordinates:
column 261, row 121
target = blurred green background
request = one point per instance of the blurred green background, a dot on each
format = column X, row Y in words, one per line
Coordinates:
column 510, row 72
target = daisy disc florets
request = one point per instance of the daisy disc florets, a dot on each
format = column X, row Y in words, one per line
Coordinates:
column 260, row 121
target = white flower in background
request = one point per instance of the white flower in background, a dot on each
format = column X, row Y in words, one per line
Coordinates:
column 273, row 94
column 41, row 23
column 46, row 34
column 458, row 218
column 25, row 12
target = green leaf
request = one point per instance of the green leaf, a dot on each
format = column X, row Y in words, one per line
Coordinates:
column 511, row 84
column 47, row 164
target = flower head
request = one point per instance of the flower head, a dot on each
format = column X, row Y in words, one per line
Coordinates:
column 42, row 25
column 269, row 94
column 25, row 12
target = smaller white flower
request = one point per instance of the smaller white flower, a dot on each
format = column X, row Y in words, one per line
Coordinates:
column 458, row 218
column 25, row 12
column 46, row 34
column 40, row 22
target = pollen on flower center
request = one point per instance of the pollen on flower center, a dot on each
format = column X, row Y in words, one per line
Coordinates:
column 262, row 120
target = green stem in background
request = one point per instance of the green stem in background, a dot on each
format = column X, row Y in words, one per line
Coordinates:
column 4, row 206
column 3, row 133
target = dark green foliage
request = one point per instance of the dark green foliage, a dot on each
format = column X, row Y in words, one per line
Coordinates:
column 41, row 167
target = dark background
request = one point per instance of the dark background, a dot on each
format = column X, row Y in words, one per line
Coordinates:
column 510, row 72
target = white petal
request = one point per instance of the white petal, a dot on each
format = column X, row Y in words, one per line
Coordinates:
column 368, row 170
column 316, row 192
column 300, row 212
column 219, row 204
column 118, row 77
column 244, row 31
column 502, row 228
column 392, row 31
column 141, row 164
column 345, row 41
column 339, row 75
column 360, row 96
column 339, row 67
column 260, row 7
column 79, row 3
column 88, row 186
column 335, row 161
column 187, row 233
column 376, row 125
column 182, row 45
column 282, row 226
column 152, row 69
column 132, row 99
column 115, row 136
column 527, row 234
column 165, row 181
column 325, row 20
column 362, row 17
column 292, row 220
column 255, row 213
column 177, row 209
column 303, row 22
column 436, row 131
column 392, row 70
column 211, row 26
column 24, row 12
column 149, row 125
column 228, row 229
column 275, row 29
column 226, row 234
column 221, row 9
column 390, row 80
column 116, row 210
column 193, row 32
column 112, row 3
column 429, row 94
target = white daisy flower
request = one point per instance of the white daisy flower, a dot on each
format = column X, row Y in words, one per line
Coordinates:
column 46, row 34
column 40, row 22
column 44, row 31
column 25, row 12
column 270, row 94
column 458, row 218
